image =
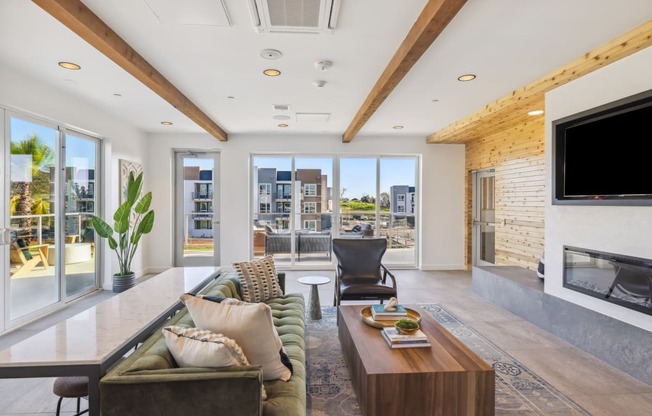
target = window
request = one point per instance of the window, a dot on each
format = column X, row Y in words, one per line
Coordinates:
column 310, row 189
column 310, row 225
column 283, row 191
column 264, row 189
column 203, row 225
column 283, row 207
column 309, row 207
column 400, row 208
column 264, row 208
column 400, row 198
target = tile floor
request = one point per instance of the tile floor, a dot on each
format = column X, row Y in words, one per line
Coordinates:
column 601, row 389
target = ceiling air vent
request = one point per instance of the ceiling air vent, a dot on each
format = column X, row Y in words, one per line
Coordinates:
column 298, row 16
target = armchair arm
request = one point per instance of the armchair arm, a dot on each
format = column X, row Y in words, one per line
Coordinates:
column 386, row 273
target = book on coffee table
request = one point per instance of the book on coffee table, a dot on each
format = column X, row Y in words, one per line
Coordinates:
column 379, row 312
column 405, row 342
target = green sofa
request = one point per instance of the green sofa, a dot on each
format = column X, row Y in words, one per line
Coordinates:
column 148, row 382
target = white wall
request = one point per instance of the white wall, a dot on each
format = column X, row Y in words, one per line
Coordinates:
column 622, row 230
column 122, row 141
column 442, row 186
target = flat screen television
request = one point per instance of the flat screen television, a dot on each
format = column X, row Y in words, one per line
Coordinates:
column 602, row 156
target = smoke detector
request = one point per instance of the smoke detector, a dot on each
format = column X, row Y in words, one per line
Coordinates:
column 323, row 64
column 271, row 54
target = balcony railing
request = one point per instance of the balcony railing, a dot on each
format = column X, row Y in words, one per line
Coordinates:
column 202, row 195
column 38, row 233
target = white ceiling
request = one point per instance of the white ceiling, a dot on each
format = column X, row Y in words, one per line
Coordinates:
column 507, row 43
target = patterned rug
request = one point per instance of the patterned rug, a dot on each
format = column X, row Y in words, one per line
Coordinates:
column 519, row 391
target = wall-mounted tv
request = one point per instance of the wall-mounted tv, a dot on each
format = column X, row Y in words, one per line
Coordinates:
column 602, row 156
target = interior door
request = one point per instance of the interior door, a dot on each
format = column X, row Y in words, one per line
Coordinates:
column 484, row 217
column 197, row 227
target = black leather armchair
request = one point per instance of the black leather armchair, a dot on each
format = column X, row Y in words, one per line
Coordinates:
column 360, row 274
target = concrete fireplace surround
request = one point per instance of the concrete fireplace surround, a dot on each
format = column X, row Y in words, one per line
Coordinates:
column 520, row 291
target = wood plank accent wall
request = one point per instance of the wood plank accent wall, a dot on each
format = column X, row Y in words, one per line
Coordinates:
column 501, row 135
column 518, row 156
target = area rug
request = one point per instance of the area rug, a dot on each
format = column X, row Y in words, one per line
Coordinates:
column 519, row 391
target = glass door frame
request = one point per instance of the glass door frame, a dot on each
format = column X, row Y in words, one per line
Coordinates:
column 477, row 222
column 61, row 206
column 6, row 113
column 179, row 213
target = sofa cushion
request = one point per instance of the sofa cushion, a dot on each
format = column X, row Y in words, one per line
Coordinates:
column 258, row 279
column 251, row 325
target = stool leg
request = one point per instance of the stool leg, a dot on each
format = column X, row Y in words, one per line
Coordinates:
column 59, row 405
column 78, row 403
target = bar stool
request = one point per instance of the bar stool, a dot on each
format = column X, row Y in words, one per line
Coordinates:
column 71, row 387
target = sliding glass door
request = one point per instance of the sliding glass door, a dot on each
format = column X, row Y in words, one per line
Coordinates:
column 49, row 196
column 301, row 202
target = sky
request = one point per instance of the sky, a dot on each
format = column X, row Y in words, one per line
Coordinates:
column 79, row 152
column 357, row 174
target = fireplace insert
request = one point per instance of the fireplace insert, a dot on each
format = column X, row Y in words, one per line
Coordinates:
column 615, row 278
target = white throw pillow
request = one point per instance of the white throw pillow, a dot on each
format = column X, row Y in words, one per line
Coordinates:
column 250, row 325
column 194, row 347
column 258, row 279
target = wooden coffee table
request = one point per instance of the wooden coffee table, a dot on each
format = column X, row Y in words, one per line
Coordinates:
column 447, row 379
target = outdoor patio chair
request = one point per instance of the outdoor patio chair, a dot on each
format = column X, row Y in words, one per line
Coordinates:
column 360, row 274
column 25, row 260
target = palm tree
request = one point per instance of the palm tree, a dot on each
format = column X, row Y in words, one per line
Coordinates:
column 42, row 157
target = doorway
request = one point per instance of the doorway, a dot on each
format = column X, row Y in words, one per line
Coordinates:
column 197, row 229
column 484, row 217
column 49, row 194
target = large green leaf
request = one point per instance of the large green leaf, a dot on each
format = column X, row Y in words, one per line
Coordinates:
column 121, row 218
column 123, row 241
column 134, row 186
column 102, row 229
column 112, row 243
column 144, row 227
column 143, row 205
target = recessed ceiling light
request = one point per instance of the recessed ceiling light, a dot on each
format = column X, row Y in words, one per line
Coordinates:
column 282, row 125
column 117, row 95
column 466, row 77
column 272, row 72
column 435, row 100
column 281, row 117
column 167, row 123
column 230, row 97
column 535, row 112
column 69, row 65
column 397, row 127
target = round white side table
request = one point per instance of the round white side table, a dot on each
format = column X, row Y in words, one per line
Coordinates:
column 314, row 308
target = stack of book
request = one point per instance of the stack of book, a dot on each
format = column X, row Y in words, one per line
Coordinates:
column 397, row 340
column 379, row 313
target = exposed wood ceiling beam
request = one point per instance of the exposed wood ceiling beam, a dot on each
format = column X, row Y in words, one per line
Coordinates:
column 431, row 22
column 503, row 112
column 81, row 20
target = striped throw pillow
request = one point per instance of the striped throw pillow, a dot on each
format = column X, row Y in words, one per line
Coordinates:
column 258, row 279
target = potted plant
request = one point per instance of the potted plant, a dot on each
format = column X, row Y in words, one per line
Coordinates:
column 132, row 219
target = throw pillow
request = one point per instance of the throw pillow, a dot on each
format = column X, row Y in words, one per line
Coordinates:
column 194, row 347
column 250, row 325
column 258, row 279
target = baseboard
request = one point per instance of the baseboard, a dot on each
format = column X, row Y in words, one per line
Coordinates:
column 427, row 267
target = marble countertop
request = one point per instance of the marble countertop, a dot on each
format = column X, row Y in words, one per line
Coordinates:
column 98, row 332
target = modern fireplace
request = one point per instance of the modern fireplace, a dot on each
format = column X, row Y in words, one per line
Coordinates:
column 615, row 278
